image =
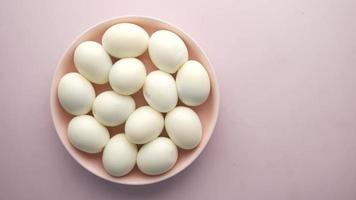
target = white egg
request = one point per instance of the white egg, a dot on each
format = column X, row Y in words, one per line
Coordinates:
column 119, row 156
column 112, row 109
column 86, row 134
column 167, row 51
column 125, row 40
column 144, row 125
column 184, row 128
column 92, row 61
column 193, row 83
column 157, row 157
column 160, row 91
column 75, row 94
column 127, row 76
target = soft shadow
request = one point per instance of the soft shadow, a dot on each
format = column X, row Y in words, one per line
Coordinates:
column 148, row 191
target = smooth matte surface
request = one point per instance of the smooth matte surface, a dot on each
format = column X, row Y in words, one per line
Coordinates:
column 207, row 112
column 287, row 76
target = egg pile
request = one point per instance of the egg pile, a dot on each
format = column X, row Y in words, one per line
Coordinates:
column 144, row 125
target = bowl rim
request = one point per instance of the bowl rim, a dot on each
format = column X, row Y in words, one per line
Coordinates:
column 53, row 95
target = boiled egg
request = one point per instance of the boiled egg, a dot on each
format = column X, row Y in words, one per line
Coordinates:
column 157, row 157
column 127, row 76
column 125, row 40
column 193, row 83
column 167, row 51
column 86, row 134
column 75, row 94
column 112, row 109
column 92, row 61
column 160, row 91
column 183, row 126
column 144, row 125
column 119, row 156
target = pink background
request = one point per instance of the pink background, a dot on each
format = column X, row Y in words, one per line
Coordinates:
column 287, row 77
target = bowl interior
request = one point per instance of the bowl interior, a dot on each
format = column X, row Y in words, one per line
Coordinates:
column 92, row 162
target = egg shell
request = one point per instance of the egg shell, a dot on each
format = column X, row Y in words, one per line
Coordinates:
column 127, row 76
column 167, row 51
column 86, row 134
column 75, row 94
column 125, row 40
column 193, row 83
column 157, row 157
column 112, row 109
column 160, row 91
column 119, row 156
column 144, row 125
column 92, row 61
column 184, row 128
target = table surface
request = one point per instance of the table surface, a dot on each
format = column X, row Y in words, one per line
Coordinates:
column 287, row 76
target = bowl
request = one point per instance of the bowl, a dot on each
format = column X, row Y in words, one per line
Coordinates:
column 207, row 112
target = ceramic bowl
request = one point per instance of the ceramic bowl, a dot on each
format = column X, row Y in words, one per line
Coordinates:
column 208, row 112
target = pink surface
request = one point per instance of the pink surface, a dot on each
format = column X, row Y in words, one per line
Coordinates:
column 287, row 76
column 207, row 112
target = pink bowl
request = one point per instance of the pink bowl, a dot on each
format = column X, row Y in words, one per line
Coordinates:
column 208, row 112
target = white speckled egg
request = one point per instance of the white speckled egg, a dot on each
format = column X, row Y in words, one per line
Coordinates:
column 157, row 157
column 167, row 51
column 127, row 76
column 86, row 134
column 75, row 94
column 193, row 83
column 119, row 156
column 184, row 128
column 144, row 125
column 92, row 61
column 112, row 109
column 160, row 91
column 125, row 40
